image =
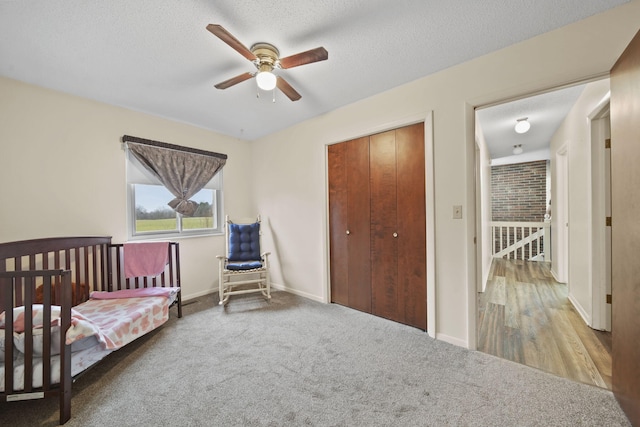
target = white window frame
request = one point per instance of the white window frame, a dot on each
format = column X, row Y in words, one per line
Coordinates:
column 138, row 174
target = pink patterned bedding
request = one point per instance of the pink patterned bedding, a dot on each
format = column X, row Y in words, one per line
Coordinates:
column 117, row 322
column 98, row 327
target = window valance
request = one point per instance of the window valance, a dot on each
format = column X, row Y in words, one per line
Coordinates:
column 182, row 170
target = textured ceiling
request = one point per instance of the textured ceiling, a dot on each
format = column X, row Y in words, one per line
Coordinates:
column 156, row 56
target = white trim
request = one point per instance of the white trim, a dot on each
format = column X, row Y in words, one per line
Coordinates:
column 452, row 340
column 430, row 197
column 597, row 213
column 561, row 210
column 471, row 248
column 326, row 254
column 189, row 297
column 298, row 292
column 277, row 286
column 580, row 309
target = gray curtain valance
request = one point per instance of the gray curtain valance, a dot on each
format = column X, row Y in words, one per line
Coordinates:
column 183, row 171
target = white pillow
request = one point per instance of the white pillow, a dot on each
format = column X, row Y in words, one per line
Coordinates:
column 37, row 316
column 38, row 341
column 2, row 352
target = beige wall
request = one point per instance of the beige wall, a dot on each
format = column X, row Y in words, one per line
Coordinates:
column 575, row 135
column 294, row 194
column 76, row 178
column 62, row 170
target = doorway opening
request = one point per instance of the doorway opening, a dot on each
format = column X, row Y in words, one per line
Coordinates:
column 539, row 296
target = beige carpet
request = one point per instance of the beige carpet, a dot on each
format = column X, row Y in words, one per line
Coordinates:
column 295, row 362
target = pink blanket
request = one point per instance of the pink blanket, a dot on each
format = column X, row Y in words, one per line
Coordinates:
column 117, row 322
column 145, row 259
column 133, row 293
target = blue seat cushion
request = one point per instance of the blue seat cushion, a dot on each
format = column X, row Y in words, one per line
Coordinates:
column 244, row 242
column 248, row 265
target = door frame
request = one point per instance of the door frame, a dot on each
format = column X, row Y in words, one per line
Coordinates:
column 560, row 208
column 600, row 274
column 430, row 198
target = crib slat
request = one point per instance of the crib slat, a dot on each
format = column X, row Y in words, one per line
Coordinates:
column 28, row 334
column 8, row 292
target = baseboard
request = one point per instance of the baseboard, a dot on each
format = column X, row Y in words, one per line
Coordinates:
column 273, row 286
column 198, row 294
column 452, row 340
column 297, row 292
column 581, row 311
column 555, row 275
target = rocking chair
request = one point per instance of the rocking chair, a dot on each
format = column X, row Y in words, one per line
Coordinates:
column 244, row 264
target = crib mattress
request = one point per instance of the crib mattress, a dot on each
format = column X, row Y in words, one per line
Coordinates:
column 80, row 361
column 98, row 328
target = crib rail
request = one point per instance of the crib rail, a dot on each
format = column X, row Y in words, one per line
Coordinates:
column 61, row 271
column 86, row 257
column 170, row 277
column 17, row 288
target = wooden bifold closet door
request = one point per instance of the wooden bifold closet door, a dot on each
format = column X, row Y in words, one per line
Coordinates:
column 377, row 225
column 349, row 218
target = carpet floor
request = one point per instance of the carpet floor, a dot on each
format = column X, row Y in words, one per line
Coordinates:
column 296, row 362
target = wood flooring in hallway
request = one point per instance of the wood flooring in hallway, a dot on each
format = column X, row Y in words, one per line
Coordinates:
column 524, row 315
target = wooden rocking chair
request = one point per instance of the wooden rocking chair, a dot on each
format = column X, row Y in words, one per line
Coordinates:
column 243, row 263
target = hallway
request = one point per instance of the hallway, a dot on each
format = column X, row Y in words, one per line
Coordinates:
column 524, row 316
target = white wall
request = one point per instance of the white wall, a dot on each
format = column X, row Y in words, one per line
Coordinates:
column 291, row 164
column 62, row 170
column 575, row 134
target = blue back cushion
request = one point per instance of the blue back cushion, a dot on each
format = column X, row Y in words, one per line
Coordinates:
column 244, row 242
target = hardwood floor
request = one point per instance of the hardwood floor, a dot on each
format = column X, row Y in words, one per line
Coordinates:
column 524, row 315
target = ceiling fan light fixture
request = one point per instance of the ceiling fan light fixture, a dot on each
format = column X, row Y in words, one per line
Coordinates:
column 265, row 79
column 522, row 125
column 517, row 149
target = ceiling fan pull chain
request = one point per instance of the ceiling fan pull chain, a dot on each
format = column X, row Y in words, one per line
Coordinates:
column 274, row 95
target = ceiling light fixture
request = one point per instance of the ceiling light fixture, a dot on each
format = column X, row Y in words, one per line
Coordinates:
column 517, row 149
column 522, row 125
column 265, row 78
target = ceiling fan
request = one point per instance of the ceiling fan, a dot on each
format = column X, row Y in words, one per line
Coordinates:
column 266, row 57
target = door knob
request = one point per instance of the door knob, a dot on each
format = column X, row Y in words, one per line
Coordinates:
column 348, row 232
column 395, row 234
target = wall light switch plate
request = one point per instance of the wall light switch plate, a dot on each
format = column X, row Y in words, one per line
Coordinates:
column 457, row 212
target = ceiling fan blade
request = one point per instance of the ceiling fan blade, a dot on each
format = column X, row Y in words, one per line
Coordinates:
column 234, row 81
column 313, row 55
column 286, row 88
column 228, row 38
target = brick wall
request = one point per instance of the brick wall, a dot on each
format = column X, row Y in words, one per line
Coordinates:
column 519, row 191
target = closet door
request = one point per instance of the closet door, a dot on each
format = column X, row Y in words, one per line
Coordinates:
column 349, row 224
column 398, row 226
column 384, row 230
column 337, row 175
column 412, row 237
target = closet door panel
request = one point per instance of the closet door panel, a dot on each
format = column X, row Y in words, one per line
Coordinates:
column 336, row 157
column 384, row 252
column 412, row 257
column 358, row 224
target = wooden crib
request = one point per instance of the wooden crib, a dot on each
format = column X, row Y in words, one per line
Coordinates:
column 40, row 281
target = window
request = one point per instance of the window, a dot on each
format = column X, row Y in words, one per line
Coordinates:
column 151, row 217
